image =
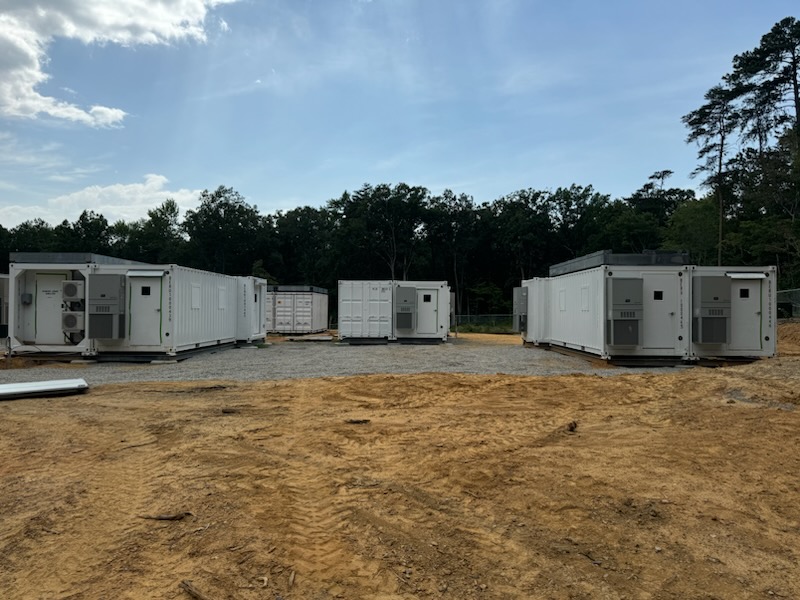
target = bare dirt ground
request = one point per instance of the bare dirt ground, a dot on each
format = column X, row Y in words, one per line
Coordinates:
column 676, row 485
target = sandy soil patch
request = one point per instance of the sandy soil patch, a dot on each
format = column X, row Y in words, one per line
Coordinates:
column 675, row 485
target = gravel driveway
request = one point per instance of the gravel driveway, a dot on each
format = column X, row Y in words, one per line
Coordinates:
column 291, row 360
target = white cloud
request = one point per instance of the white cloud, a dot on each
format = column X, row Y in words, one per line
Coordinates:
column 122, row 201
column 28, row 26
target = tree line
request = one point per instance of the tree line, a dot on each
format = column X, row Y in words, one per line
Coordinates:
column 746, row 132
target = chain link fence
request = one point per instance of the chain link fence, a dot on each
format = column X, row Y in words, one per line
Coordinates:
column 789, row 304
column 484, row 323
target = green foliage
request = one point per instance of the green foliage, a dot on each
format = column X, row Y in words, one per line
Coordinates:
column 757, row 191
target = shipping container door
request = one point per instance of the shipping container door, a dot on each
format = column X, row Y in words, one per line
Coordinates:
column 145, row 310
column 427, row 311
column 284, row 312
column 661, row 307
column 302, row 312
column 379, row 311
column 48, row 308
column 745, row 314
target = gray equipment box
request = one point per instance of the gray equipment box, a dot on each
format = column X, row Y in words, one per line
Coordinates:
column 405, row 307
column 106, row 306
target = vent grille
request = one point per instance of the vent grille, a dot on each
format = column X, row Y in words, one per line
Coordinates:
column 716, row 312
column 627, row 314
column 102, row 309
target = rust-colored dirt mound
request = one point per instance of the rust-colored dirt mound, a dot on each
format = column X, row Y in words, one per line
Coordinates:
column 789, row 338
column 677, row 485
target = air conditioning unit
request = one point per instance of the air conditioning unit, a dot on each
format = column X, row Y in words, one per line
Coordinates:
column 72, row 290
column 72, row 321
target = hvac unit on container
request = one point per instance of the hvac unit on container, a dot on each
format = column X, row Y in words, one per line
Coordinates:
column 92, row 304
column 252, row 304
column 297, row 309
column 610, row 306
column 734, row 311
column 393, row 310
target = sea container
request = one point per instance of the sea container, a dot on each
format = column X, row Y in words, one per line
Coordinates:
column 620, row 311
column 519, row 309
column 92, row 304
column 421, row 310
column 536, row 328
column 251, row 304
column 297, row 309
column 365, row 310
column 734, row 311
column 3, row 309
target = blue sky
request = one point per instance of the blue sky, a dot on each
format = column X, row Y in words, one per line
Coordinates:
column 117, row 106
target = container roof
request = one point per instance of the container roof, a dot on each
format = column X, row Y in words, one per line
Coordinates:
column 607, row 257
column 68, row 258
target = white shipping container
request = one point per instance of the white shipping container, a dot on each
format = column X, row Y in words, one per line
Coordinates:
column 618, row 311
column 394, row 310
column 734, row 311
column 3, row 308
column 297, row 309
column 365, row 310
column 251, row 303
column 537, row 330
column 102, row 305
column 421, row 310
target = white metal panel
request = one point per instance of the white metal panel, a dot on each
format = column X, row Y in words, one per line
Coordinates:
column 573, row 323
column 662, row 327
column 48, row 305
column 427, row 312
column 365, row 309
column 270, row 311
column 4, row 302
column 747, row 275
column 284, row 312
column 36, row 389
column 145, row 300
column 746, row 314
column 320, row 319
column 214, row 322
column 251, row 308
column 303, row 312
column 537, row 330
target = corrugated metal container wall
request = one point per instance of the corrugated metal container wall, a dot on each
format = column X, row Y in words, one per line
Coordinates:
column 365, row 309
column 204, row 308
column 284, row 312
column 538, row 319
column 270, row 308
column 734, row 311
column 299, row 311
column 3, row 305
column 251, row 309
column 576, row 305
column 319, row 320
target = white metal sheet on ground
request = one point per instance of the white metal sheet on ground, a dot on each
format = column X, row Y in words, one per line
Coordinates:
column 35, row 389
